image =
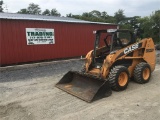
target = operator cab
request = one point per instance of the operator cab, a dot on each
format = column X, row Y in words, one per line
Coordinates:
column 108, row 42
column 121, row 39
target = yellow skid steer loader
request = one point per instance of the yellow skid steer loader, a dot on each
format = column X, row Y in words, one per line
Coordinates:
column 115, row 59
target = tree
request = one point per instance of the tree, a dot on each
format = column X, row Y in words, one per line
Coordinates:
column 146, row 25
column 151, row 26
column 1, row 8
column 104, row 15
column 23, row 11
column 131, row 23
column 134, row 22
column 95, row 16
column 46, row 12
column 34, row 9
column 54, row 12
column 155, row 18
column 87, row 15
column 96, row 13
column 69, row 15
column 119, row 15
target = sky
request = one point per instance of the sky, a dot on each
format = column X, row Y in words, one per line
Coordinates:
column 77, row 7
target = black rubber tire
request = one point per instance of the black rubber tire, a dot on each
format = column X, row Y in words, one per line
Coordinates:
column 83, row 69
column 114, row 75
column 138, row 73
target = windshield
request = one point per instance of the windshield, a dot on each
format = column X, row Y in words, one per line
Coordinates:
column 120, row 40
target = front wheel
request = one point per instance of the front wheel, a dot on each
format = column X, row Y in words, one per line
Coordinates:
column 119, row 78
column 83, row 69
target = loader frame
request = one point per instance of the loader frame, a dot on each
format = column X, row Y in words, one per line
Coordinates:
column 111, row 66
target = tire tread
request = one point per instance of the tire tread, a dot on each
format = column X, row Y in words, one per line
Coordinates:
column 138, row 72
column 113, row 76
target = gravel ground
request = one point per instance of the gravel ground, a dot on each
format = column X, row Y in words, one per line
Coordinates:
column 29, row 94
column 158, row 56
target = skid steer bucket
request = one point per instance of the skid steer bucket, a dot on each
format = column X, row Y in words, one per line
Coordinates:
column 84, row 86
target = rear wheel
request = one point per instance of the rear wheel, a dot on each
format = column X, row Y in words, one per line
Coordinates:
column 142, row 73
column 119, row 78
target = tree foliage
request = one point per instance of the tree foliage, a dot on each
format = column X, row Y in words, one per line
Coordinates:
column 23, row 11
column 1, row 4
column 46, row 12
column 155, row 19
column 54, row 12
column 119, row 15
column 31, row 9
column 34, row 9
column 95, row 16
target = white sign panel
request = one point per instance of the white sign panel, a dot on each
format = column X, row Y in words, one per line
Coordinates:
column 39, row 36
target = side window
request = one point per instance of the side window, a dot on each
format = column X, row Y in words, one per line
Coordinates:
column 116, row 42
column 102, row 37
